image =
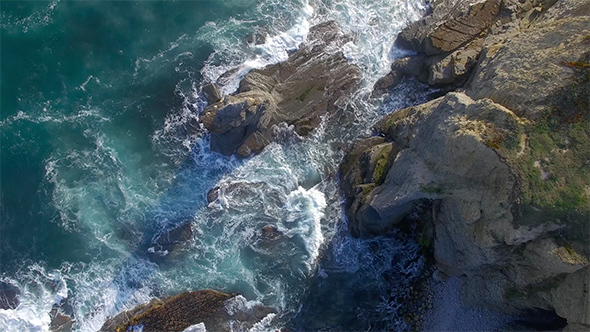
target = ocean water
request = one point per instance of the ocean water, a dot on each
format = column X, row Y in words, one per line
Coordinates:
column 101, row 151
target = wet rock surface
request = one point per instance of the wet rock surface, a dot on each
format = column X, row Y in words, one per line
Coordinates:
column 451, row 25
column 311, row 83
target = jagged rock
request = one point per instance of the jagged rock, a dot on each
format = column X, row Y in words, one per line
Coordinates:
column 454, row 66
column 447, row 154
column 400, row 68
column 506, row 164
column 387, row 82
column 216, row 310
column 451, row 25
column 211, row 93
column 312, row 82
column 175, row 313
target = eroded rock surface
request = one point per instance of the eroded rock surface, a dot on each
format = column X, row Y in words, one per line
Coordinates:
column 313, row 82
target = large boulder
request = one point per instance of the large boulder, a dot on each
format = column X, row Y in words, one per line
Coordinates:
column 314, row 81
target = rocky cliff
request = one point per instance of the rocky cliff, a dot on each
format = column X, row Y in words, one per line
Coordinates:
column 497, row 173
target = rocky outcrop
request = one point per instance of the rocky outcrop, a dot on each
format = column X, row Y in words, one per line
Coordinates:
column 450, row 40
column 215, row 310
column 451, row 25
column 502, row 169
column 312, row 83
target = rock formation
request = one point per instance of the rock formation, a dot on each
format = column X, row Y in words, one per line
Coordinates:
column 449, row 41
column 502, row 167
column 213, row 309
column 297, row 92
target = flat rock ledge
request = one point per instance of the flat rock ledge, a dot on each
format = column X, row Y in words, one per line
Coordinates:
column 291, row 96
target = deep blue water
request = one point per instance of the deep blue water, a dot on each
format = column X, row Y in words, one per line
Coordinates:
column 101, row 151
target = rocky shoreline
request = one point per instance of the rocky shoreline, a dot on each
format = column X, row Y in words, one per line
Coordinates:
column 494, row 173
column 501, row 158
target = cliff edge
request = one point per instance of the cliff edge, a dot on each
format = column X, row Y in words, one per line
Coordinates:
column 497, row 172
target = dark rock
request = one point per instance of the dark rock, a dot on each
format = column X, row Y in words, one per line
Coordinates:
column 8, row 296
column 213, row 195
column 256, row 38
column 400, row 68
column 171, row 240
column 387, row 82
column 311, row 83
column 270, row 233
column 211, row 93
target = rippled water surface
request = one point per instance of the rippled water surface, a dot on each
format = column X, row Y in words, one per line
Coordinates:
column 101, row 151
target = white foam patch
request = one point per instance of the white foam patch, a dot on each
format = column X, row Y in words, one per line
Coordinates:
column 39, row 292
column 196, row 328
column 37, row 19
column 233, row 61
column 264, row 324
column 305, row 209
column 374, row 24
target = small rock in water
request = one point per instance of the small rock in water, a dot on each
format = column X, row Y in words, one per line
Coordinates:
column 270, row 232
column 212, row 195
column 171, row 240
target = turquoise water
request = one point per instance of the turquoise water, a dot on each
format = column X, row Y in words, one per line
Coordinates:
column 101, row 151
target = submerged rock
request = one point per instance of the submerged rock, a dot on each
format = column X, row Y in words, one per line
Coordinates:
column 171, row 241
column 313, row 82
column 8, row 296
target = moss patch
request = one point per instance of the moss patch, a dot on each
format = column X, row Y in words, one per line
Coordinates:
column 381, row 166
column 554, row 168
